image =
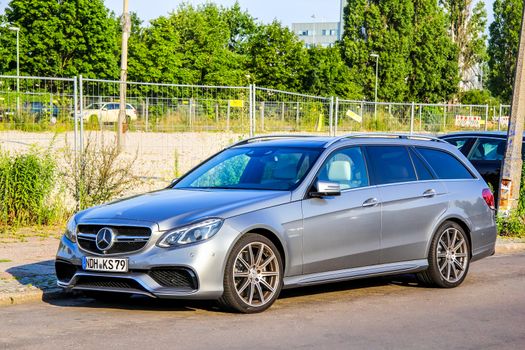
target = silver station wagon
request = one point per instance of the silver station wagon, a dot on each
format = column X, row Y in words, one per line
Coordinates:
column 285, row 211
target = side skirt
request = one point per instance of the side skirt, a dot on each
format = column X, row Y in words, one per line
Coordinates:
column 355, row 273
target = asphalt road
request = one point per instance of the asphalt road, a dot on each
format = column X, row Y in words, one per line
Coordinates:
column 486, row 312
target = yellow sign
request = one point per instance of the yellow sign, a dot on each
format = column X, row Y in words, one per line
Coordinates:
column 354, row 116
column 236, row 103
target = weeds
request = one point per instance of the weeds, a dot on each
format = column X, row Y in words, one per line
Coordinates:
column 100, row 174
column 514, row 224
column 30, row 192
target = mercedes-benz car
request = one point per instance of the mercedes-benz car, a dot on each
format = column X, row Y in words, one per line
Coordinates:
column 284, row 211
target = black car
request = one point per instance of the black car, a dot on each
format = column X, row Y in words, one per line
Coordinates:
column 485, row 150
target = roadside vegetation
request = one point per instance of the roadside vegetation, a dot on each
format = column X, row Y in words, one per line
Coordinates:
column 41, row 188
column 514, row 224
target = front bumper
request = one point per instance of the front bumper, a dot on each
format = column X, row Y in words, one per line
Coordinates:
column 203, row 262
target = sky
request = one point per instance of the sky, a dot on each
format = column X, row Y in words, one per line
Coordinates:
column 286, row 11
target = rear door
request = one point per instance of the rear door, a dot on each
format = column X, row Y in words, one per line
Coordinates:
column 411, row 201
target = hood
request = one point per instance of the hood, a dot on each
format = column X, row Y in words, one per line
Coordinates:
column 172, row 208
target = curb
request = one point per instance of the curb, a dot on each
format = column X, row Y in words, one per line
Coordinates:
column 31, row 296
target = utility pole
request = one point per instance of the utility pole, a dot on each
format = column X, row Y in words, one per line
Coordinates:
column 511, row 172
column 126, row 29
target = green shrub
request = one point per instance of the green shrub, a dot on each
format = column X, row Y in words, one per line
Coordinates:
column 514, row 224
column 28, row 189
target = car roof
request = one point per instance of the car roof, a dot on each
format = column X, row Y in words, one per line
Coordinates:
column 309, row 141
column 498, row 134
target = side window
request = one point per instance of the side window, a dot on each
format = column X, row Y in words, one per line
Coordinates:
column 445, row 165
column 347, row 167
column 460, row 143
column 423, row 173
column 391, row 164
column 488, row 149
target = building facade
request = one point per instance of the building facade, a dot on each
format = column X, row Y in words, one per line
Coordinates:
column 323, row 34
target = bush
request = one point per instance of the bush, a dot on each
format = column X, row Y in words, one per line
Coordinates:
column 28, row 187
column 514, row 224
column 99, row 175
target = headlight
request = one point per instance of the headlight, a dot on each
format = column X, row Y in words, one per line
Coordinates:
column 191, row 234
column 71, row 230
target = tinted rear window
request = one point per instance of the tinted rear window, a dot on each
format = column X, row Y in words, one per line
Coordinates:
column 445, row 165
column 391, row 164
column 423, row 173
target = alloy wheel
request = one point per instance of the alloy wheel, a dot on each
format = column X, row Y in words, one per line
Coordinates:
column 452, row 255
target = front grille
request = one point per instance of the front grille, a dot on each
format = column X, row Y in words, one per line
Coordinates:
column 128, row 239
column 108, row 282
column 64, row 271
column 179, row 278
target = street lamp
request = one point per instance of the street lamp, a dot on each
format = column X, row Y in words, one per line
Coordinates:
column 17, row 30
column 376, row 56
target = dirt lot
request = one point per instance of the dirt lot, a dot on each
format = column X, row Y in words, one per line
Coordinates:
column 160, row 156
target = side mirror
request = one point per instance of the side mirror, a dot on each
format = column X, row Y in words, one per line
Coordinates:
column 173, row 182
column 326, row 189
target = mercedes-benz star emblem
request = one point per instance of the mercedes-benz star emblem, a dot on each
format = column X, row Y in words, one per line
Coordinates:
column 105, row 239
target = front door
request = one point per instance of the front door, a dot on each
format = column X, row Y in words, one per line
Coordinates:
column 344, row 231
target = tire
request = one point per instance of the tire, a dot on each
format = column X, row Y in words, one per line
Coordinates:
column 258, row 269
column 448, row 258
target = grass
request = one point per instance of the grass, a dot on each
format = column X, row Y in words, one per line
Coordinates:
column 23, row 234
column 5, row 260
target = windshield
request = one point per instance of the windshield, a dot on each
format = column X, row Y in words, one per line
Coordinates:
column 95, row 106
column 257, row 168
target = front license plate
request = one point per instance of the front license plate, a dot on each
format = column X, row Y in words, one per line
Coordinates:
column 104, row 264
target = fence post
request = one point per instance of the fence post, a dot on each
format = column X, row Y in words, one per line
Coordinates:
column 217, row 112
column 336, row 115
column 252, row 107
column 331, row 117
column 486, row 117
column 81, row 119
column 297, row 114
column 412, row 119
column 499, row 118
column 190, row 118
column 228, row 116
column 75, row 118
column 282, row 111
column 420, row 117
column 262, row 115
column 147, row 114
column 445, row 117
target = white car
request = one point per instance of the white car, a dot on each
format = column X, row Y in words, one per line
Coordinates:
column 107, row 112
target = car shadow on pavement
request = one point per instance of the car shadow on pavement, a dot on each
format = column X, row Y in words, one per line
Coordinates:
column 406, row 280
column 40, row 275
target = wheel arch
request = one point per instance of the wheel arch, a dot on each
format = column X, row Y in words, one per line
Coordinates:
column 272, row 236
column 462, row 223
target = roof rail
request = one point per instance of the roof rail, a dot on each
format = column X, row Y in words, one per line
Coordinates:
column 266, row 137
column 385, row 135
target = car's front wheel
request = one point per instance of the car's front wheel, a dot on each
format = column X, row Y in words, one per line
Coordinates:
column 253, row 275
column 449, row 257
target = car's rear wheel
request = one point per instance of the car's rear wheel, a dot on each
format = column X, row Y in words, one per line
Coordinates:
column 253, row 275
column 449, row 257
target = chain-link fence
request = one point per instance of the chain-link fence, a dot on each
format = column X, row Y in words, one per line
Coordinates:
column 280, row 111
column 169, row 128
column 363, row 116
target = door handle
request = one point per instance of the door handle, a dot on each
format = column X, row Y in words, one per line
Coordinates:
column 370, row 202
column 429, row 193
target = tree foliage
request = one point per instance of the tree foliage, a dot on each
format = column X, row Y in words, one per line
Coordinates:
column 466, row 24
column 415, row 53
column 503, row 47
column 65, row 38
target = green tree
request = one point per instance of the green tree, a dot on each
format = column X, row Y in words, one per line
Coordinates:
column 65, row 38
column 190, row 46
column 416, row 56
column 503, row 47
column 277, row 59
column 434, row 65
column 328, row 75
column 467, row 24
